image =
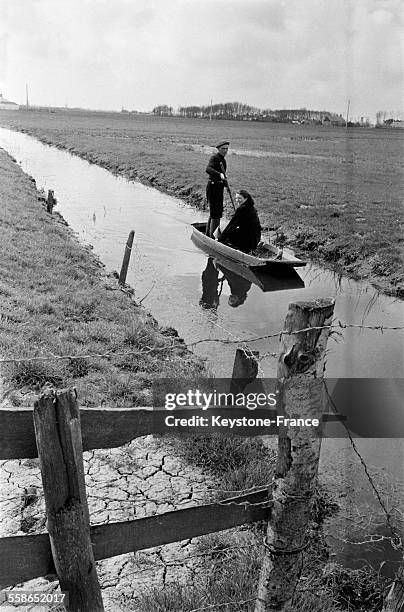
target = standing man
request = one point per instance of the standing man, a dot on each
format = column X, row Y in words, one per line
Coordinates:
column 216, row 169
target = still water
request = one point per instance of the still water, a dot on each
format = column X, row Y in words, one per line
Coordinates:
column 167, row 271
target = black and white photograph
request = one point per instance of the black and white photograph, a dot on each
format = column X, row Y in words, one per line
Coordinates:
column 201, row 306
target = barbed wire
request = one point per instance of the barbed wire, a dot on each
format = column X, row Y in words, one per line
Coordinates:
column 248, row 491
column 178, row 345
column 280, row 333
column 106, row 355
column 137, row 503
column 396, row 540
column 221, row 605
column 266, row 355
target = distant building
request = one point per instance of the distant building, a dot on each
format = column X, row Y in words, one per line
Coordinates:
column 7, row 104
column 397, row 123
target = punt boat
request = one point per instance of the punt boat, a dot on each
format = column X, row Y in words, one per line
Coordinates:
column 266, row 257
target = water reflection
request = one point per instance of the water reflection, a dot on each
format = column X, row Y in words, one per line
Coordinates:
column 240, row 279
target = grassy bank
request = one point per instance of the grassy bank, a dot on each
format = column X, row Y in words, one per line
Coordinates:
column 335, row 194
column 56, row 299
column 232, row 560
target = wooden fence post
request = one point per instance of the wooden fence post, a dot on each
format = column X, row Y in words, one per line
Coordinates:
column 50, row 201
column 58, row 438
column 126, row 258
column 394, row 601
column 300, row 387
column 245, row 369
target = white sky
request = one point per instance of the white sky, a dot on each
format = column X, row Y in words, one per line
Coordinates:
column 267, row 53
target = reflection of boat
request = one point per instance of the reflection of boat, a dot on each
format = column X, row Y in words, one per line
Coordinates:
column 277, row 279
column 212, row 285
column 240, row 278
column 266, row 259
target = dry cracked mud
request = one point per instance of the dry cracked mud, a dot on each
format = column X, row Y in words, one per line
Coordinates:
column 141, row 479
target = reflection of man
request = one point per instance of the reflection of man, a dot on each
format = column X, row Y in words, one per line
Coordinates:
column 216, row 169
column 210, row 285
column 239, row 288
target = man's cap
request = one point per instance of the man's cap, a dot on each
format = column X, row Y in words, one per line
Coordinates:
column 222, row 144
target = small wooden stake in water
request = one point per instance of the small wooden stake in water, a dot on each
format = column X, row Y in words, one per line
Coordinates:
column 50, row 201
column 126, row 258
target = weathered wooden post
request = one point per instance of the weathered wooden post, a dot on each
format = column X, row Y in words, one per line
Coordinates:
column 245, row 369
column 126, row 258
column 394, row 601
column 58, row 439
column 50, row 201
column 300, row 387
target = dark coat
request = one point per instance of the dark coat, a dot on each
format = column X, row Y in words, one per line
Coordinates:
column 214, row 167
column 244, row 229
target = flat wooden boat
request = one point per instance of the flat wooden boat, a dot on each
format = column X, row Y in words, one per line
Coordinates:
column 267, row 257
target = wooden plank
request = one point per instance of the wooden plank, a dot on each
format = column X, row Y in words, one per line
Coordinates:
column 58, row 438
column 23, row 558
column 114, row 539
column 109, row 427
column 17, row 437
column 101, row 428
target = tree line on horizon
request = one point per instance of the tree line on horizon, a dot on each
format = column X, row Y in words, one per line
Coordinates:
column 244, row 112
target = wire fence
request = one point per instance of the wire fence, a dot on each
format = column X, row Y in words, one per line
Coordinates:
column 396, row 539
column 175, row 345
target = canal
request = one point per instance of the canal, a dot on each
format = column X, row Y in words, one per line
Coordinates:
column 166, row 273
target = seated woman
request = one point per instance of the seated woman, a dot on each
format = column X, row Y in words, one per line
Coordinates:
column 243, row 231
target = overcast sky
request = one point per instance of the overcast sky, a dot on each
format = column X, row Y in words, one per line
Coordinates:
column 141, row 53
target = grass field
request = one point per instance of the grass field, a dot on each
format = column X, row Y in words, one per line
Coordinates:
column 335, row 193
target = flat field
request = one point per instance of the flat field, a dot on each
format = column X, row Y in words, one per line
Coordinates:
column 335, row 193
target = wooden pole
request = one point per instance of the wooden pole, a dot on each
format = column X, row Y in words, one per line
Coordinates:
column 58, row 438
column 50, row 201
column 245, row 369
column 300, row 388
column 126, row 258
